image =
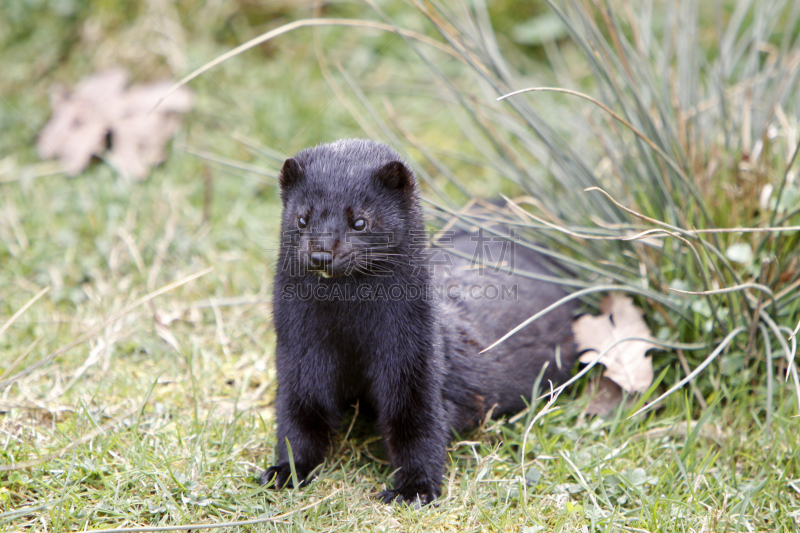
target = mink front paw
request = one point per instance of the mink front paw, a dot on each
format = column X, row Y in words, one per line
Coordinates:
column 276, row 477
column 280, row 477
column 414, row 496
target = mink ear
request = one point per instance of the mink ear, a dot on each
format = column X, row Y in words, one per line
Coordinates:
column 291, row 173
column 395, row 175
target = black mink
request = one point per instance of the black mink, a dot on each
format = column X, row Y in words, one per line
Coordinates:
column 364, row 311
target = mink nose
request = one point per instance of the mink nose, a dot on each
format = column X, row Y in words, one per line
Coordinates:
column 321, row 259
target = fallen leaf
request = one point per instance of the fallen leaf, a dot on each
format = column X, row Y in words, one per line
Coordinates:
column 626, row 363
column 101, row 109
column 77, row 130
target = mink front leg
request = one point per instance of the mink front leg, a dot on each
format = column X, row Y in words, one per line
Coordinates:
column 308, row 424
column 413, row 424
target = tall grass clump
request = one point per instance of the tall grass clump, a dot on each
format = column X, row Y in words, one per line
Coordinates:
column 665, row 171
column 672, row 178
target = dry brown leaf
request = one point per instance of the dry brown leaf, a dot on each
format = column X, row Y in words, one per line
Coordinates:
column 100, row 107
column 626, row 363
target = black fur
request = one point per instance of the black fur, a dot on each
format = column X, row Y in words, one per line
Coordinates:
column 352, row 230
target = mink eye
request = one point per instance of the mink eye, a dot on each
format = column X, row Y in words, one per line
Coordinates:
column 301, row 222
column 360, row 224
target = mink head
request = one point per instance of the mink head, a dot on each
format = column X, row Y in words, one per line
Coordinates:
column 350, row 208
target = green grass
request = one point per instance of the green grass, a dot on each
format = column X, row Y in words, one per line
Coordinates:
column 164, row 416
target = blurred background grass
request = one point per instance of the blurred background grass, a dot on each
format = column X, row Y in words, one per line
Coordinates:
column 163, row 416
